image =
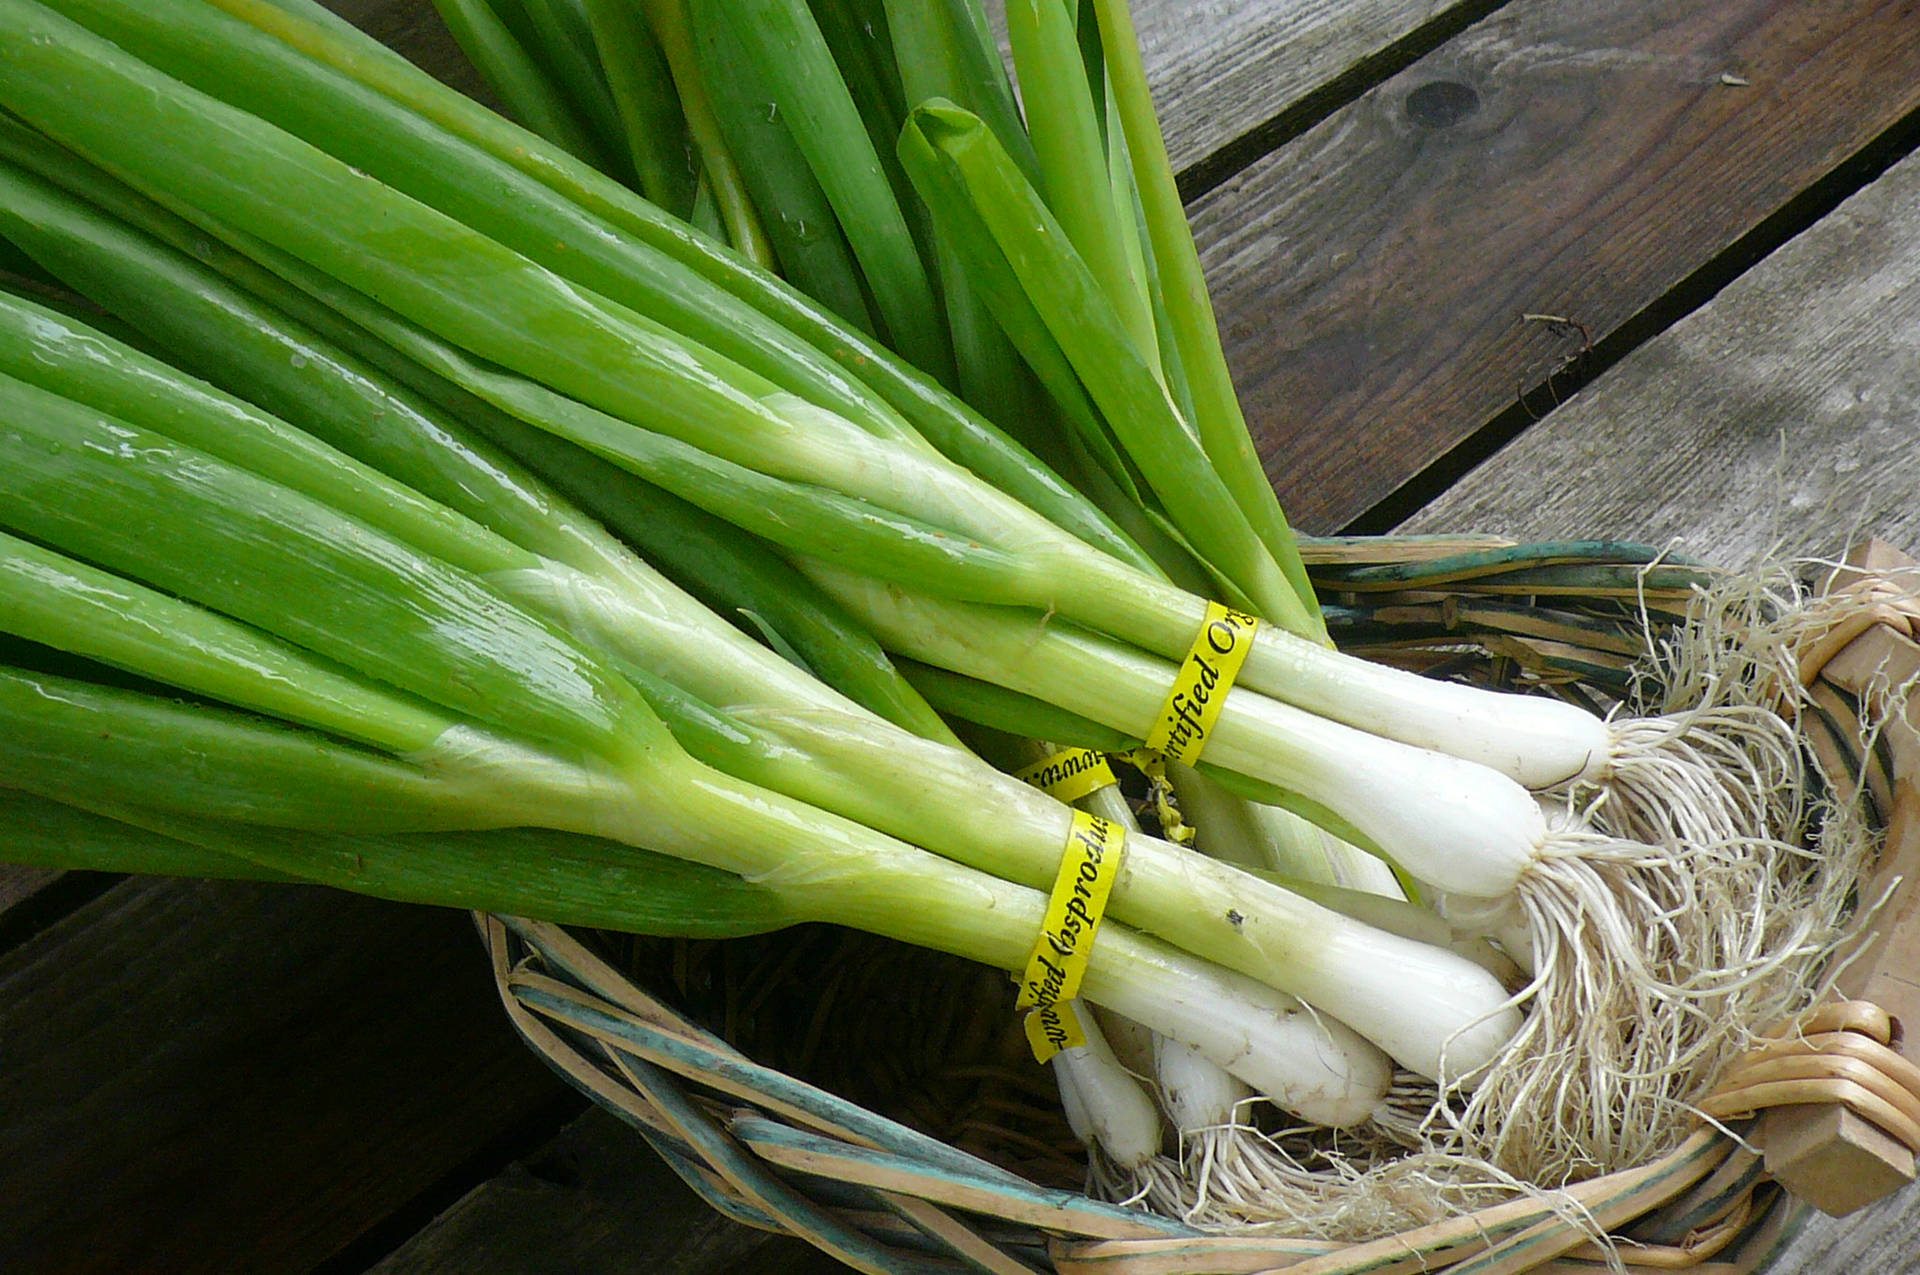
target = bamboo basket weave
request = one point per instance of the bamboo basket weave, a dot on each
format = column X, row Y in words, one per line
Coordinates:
column 798, row 1090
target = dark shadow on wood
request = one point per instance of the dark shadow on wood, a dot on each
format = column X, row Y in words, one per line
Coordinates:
column 1302, row 114
column 1587, row 360
column 496, row 1156
column 46, row 904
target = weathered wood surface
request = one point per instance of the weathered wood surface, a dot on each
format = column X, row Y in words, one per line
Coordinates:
column 1576, row 160
column 19, row 884
column 1786, row 410
column 1221, row 69
column 594, row 1199
column 1783, row 414
column 223, row 1077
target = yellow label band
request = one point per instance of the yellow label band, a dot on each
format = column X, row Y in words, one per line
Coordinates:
column 1053, row 1028
column 1079, row 899
column 1069, row 775
column 1200, row 687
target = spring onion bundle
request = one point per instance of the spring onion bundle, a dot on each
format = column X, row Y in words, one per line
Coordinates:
column 477, row 400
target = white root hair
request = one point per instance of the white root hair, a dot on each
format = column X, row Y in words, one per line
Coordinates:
column 1683, row 907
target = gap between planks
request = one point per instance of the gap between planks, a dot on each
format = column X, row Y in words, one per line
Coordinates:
column 1782, row 412
column 1371, row 276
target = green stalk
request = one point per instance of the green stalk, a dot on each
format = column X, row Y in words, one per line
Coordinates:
column 721, row 417
column 1122, row 383
column 668, row 19
column 705, row 214
column 144, row 506
column 245, row 344
column 991, row 278
column 858, row 29
column 566, row 46
column 581, row 881
column 933, row 51
column 249, row 69
column 651, row 118
column 795, row 210
column 523, row 871
column 1010, row 712
column 230, row 336
column 78, row 742
column 813, row 519
column 1073, row 174
column 991, row 376
column 943, row 49
column 1222, row 429
column 788, row 510
column 476, row 276
column 49, row 834
column 784, row 55
column 814, row 864
column 1090, row 454
column 982, row 511
column 733, row 574
column 514, row 78
column 865, row 63
column 51, row 599
column 67, row 359
column 936, row 415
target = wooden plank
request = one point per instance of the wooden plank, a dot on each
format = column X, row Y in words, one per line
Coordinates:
column 200, row 1076
column 1221, row 69
column 1576, row 160
column 1782, row 413
column 18, row 884
column 595, row 1198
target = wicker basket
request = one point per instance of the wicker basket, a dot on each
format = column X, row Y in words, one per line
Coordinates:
column 933, row 1183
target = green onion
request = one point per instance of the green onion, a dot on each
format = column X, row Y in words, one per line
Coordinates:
column 784, row 63
column 970, row 541
column 586, row 710
column 119, row 751
column 941, row 419
column 642, row 86
column 515, row 78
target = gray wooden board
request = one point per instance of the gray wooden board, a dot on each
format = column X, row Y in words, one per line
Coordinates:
column 19, row 883
column 1784, row 413
column 1786, row 410
column 226, row 1076
column 593, row 1198
column 1220, row 68
column 1372, row 277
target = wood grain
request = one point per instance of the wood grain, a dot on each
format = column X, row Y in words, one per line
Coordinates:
column 1578, row 160
column 594, row 1199
column 1783, row 413
column 18, row 884
column 200, row 1076
column 1221, row 68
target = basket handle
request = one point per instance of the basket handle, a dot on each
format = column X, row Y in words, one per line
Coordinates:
column 1828, row 1152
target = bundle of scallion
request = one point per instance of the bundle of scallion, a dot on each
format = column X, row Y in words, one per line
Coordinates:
column 474, row 391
